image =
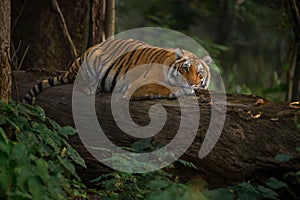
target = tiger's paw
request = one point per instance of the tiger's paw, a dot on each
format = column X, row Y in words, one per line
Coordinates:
column 172, row 96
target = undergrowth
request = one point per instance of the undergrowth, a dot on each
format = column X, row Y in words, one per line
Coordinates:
column 36, row 162
column 159, row 184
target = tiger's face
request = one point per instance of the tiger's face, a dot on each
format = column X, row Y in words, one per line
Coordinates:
column 193, row 69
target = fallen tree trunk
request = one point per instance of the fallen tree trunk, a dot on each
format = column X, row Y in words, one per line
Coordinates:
column 255, row 130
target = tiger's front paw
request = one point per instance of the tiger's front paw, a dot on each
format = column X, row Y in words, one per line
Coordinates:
column 189, row 91
column 182, row 92
column 172, row 96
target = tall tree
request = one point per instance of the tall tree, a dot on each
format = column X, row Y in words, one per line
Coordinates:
column 63, row 29
column 5, row 70
column 96, row 24
column 102, row 20
column 293, row 12
column 109, row 23
column 226, row 27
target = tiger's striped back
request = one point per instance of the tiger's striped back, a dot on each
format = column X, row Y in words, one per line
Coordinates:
column 111, row 59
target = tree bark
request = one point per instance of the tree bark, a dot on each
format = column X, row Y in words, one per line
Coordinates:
column 109, row 23
column 102, row 20
column 59, row 29
column 252, row 135
column 296, row 78
column 97, row 18
column 5, row 70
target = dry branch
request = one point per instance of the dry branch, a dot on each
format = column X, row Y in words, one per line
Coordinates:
column 64, row 28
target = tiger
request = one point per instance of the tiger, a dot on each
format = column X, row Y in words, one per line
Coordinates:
column 112, row 59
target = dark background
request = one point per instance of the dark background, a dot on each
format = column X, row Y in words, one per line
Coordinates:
column 251, row 41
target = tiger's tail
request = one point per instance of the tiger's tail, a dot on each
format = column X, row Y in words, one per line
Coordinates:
column 44, row 84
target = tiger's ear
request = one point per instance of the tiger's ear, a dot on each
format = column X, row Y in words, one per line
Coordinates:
column 179, row 53
column 207, row 59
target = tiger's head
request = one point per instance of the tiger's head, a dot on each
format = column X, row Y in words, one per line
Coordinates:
column 193, row 69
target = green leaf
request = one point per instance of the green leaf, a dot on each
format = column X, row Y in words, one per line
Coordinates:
column 22, row 173
column 22, row 122
column 54, row 124
column 246, row 196
column 67, row 164
column 283, row 157
column 187, row 163
column 20, row 153
column 267, row 193
column 2, row 119
column 6, row 180
column 4, row 146
column 13, row 124
column 74, row 155
column 53, row 142
column 32, row 110
column 55, row 167
column 3, row 136
column 36, row 188
column 158, row 184
column 42, row 167
column 174, row 191
column 18, row 195
column 4, row 161
column 45, row 149
column 275, row 184
column 7, row 108
column 48, row 137
column 216, row 194
column 66, row 131
column 40, row 128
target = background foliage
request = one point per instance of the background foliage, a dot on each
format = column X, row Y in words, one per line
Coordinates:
column 248, row 39
column 252, row 42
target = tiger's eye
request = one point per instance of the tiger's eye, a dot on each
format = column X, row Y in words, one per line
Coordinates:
column 200, row 69
column 186, row 64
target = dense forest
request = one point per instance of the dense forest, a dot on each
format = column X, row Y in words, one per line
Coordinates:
column 255, row 46
column 252, row 41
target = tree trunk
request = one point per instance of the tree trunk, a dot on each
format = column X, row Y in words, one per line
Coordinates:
column 252, row 135
column 226, row 27
column 5, row 70
column 97, row 17
column 53, row 37
column 293, row 10
column 296, row 78
column 102, row 20
column 109, row 23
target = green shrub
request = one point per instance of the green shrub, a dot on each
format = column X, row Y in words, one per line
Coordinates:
column 38, row 164
column 161, row 185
